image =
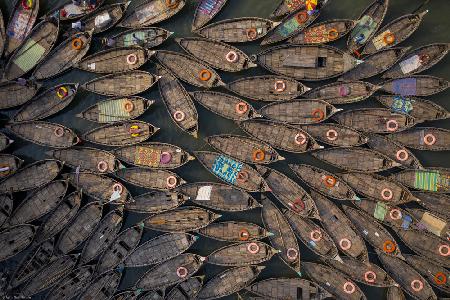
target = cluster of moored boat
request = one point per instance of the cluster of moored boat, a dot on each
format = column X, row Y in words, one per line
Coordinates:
column 70, row 250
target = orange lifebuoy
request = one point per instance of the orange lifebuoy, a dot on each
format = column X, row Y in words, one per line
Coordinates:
column 349, row 287
column 251, row 33
column 27, row 4
column 389, row 246
column 132, row 59
column 182, row 272
column 417, row 285
column 395, row 214
column 244, row 235
column 391, row 125
column 445, row 252
column 318, row 115
column 387, row 194
column 315, row 235
column 440, row 278
column 302, row 17
column 253, row 248
column 232, row 57
column 279, row 86
column 241, row 108
column 429, row 139
column 102, row 166
column 300, row 139
column 242, row 176
column 292, row 254
column 345, row 244
column 329, row 181
column 128, row 106
column 117, row 187
column 179, row 116
column 172, row 4
column 402, row 155
column 77, row 44
column 333, row 34
column 370, row 276
column 171, row 182
column 59, row 131
column 389, row 38
column 205, row 75
column 332, row 135
column 258, row 155
column 62, row 92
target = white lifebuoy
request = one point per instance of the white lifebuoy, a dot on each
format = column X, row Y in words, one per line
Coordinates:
column 253, row 248
column 171, row 181
column 345, row 244
column 132, row 59
column 395, row 214
column 349, row 287
column 370, row 276
column 402, row 155
column 182, row 272
column 292, row 254
column 232, row 57
column 279, row 86
column 179, row 116
column 417, row 285
column 391, row 125
column 315, row 235
column 445, row 252
column 332, row 135
column 117, row 187
column 387, row 194
column 300, row 139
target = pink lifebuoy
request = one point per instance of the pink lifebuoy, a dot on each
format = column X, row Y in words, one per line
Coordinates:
column 102, row 166
column 182, row 272
column 391, row 125
column 417, row 285
column 300, row 139
column 117, row 187
column 315, row 235
column 171, row 182
column 370, row 276
column 344, row 90
column 179, row 116
column 387, row 194
column 429, row 139
column 402, row 155
column 279, row 86
column 165, row 158
column 332, row 135
column 253, row 248
column 345, row 244
column 445, row 252
column 395, row 214
column 232, row 57
column 292, row 254
column 132, row 59
column 349, row 287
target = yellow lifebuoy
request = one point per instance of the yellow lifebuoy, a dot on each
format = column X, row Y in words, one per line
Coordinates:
column 333, row 34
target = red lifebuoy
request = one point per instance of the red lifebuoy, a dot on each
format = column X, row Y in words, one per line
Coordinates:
column 302, row 17
column 440, row 278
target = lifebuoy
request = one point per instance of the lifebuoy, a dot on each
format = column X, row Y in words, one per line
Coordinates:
column 165, row 158
column 171, row 182
column 440, row 278
column 117, row 187
column 128, row 106
column 329, row 181
column 253, row 248
column 77, row 44
column 241, row 108
column 132, row 59
column 333, row 34
column 417, row 285
column 402, row 155
column 62, row 92
column 205, row 75
column 172, row 4
column 244, row 235
column 387, row 194
column 302, row 17
column 232, row 57
column 429, row 139
column 389, row 38
column 134, row 130
column 242, row 176
column 59, row 131
column 370, row 276
column 279, row 86
column 344, row 90
column 332, row 135
column 179, row 116
column 182, row 272
column 349, row 287
column 102, row 166
column 345, row 244
column 27, row 4
column 315, row 235
column 391, row 125
column 445, row 252
column 300, row 139
column 395, row 214
column 258, row 155
column 297, row 205
column 252, row 33
column 318, row 115
column 389, row 246
column 292, row 254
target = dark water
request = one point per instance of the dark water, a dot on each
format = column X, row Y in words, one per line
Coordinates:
column 433, row 29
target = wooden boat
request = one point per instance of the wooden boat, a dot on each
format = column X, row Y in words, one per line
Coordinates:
column 71, row 285
column 145, row 37
column 373, row 232
column 34, row 48
column 189, row 69
column 394, row 293
column 245, row 149
column 100, row 187
column 47, row 103
column 324, row 182
column 324, row 32
column 102, row 287
column 417, row 61
column 105, row 232
column 306, row 111
column 63, row 214
column 45, row 134
column 15, row 239
column 435, row 274
column 151, row 12
column 130, row 295
column 20, row 24
column 233, row 231
column 206, row 11
column 231, row 171
column 394, row 32
column 424, row 138
column 289, row 193
column 335, row 134
column 80, row 228
column 71, row 11
column 178, row 102
column 160, row 249
column 333, row 281
column 120, row 248
column 16, row 93
column 229, row 281
column 428, row 180
column 283, row 237
column 312, row 235
column 115, row 60
column 375, row 120
column 287, row 7
column 393, row 150
column 388, row 214
column 242, row 254
column 218, row 196
column 156, row 202
column 267, row 88
column 117, row 109
column 281, row 136
column 407, row 277
column 416, row 85
column 375, row 64
column 355, row 159
column 362, row 271
column 288, row 288
column 64, row 56
column 161, row 180
column 182, row 219
column 219, row 55
column 39, row 203
column 31, row 176
column 100, row 20
column 378, row 188
column 121, row 133
column 426, row 244
column 10, row 164
column 238, row 30
column 187, row 289
column 35, row 260
column 343, row 92
column 122, row 84
column 439, row 203
column 308, row 62
column 6, row 206
column 340, row 228
column 421, row 110
column 225, row 105
column 151, row 295
column 170, row 272
column 50, row 275
column 367, row 25
column 435, row 223
column 87, row 159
